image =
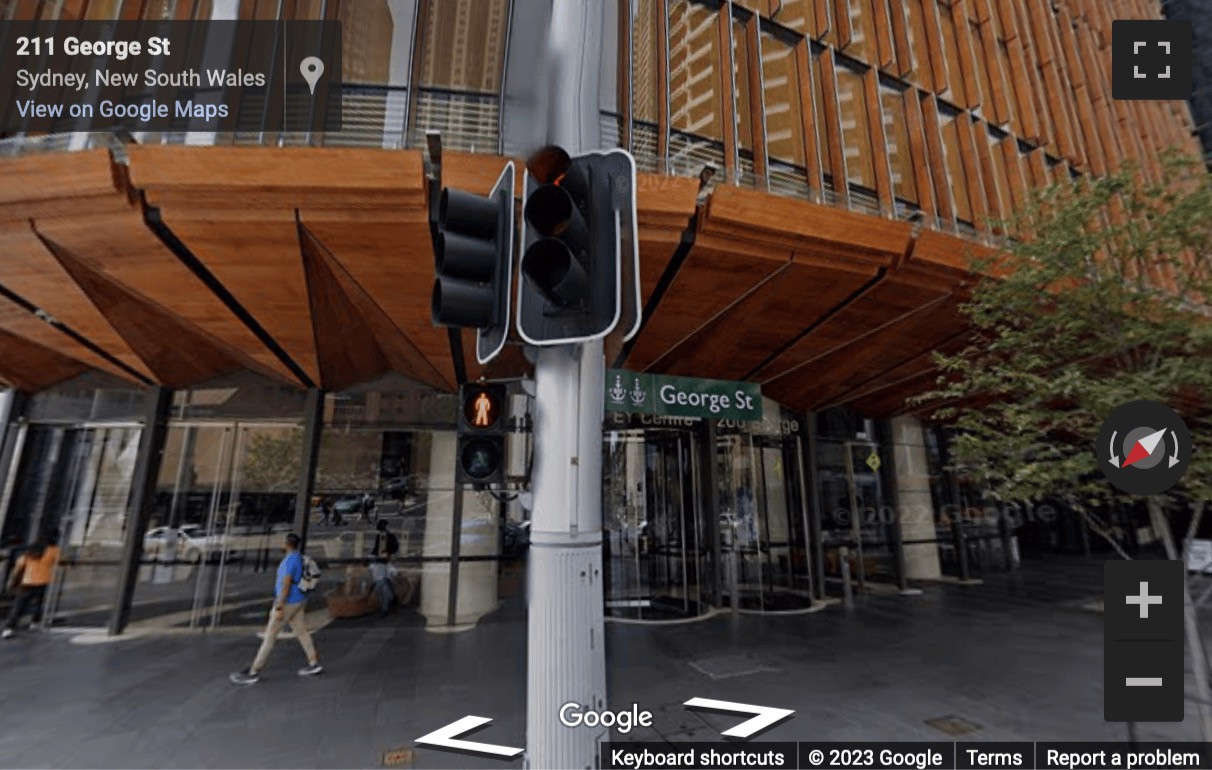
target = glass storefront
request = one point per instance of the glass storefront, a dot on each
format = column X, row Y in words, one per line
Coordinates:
column 696, row 515
column 74, row 460
column 856, row 513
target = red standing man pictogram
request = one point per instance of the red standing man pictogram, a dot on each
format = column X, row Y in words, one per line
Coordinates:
column 482, row 405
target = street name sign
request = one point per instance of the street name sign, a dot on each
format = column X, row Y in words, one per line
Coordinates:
column 659, row 394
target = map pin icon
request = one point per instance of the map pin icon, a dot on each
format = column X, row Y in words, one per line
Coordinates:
column 312, row 69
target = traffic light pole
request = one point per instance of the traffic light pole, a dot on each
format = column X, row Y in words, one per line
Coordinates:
column 567, row 661
column 566, row 646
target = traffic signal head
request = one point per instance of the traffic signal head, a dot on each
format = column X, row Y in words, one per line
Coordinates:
column 482, row 433
column 473, row 262
column 570, row 261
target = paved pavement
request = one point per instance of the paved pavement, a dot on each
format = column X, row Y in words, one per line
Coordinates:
column 1017, row 658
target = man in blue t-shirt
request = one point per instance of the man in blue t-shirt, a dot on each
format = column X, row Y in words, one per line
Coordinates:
column 290, row 605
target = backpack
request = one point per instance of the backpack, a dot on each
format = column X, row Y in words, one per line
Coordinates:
column 311, row 575
column 393, row 544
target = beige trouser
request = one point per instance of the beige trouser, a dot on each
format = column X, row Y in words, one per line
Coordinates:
column 295, row 615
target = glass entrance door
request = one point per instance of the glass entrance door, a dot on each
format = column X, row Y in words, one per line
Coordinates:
column 653, row 543
column 854, row 519
column 763, row 524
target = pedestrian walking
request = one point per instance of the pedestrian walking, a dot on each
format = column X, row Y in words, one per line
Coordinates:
column 290, row 606
column 31, row 576
column 386, row 545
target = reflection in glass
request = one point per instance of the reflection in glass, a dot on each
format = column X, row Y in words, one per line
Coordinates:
column 854, row 512
column 763, row 536
column 799, row 15
column 896, row 132
column 951, row 54
column 652, row 538
column 458, row 80
column 741, row 53
column 862, row 31
column 856, row 129
column 695, row 78
column 915, row 28
column 646, row 43
column 74, row 483
column 784, row 112
column 954, row 163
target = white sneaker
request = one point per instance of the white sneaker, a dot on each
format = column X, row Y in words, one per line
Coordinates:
column 8, row 632
column 311, row 670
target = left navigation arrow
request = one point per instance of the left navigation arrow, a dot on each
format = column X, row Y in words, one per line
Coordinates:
column 447, row 738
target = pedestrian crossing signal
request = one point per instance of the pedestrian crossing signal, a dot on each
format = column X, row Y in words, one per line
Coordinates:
column 482, row 428
column 483, row 407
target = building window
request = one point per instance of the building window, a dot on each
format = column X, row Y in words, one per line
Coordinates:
column 919, row 42
column 646, row 44
column 819, row 76
column 896, row 131
column 742, row 55
column 1003, row 173
column 856, row 128
column 951, row 54
column 985, row 73
column 1012, row 102
column 784, row 117
column 696, row 73
column 798, row 15
column 954, row 162
column 862, row 31
column 458, row 79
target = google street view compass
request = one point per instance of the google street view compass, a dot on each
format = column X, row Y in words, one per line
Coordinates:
column 1144, row 448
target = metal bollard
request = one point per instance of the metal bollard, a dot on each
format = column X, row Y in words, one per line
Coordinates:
column 1008, row 545
column 847, row 591
column 961, row 549
column 734, row 579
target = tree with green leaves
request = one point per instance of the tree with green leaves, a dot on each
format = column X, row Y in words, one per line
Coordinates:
column 272, row 460
column 1104, row 296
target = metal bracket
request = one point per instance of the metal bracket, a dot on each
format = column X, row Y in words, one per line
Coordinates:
column 433, row 174
column 433, row 156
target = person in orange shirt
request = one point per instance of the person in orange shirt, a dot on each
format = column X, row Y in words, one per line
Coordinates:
column 30, row 578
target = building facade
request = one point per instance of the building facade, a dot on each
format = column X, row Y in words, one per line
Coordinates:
column 214, row 338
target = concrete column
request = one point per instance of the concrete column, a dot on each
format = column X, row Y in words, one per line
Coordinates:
column 915, row 506
column 477, row 589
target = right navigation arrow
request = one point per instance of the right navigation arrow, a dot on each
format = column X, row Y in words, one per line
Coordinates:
column 763, row 716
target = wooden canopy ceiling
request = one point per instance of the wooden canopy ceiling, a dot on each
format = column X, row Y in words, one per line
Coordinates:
column 314, row 267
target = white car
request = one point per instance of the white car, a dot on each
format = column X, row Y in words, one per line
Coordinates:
column 192, row 543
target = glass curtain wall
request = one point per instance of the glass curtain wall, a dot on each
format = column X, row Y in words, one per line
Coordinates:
column 856, row 517
column 387, row 457
column 457, row 70
column 71, row 480
column 224, row 498
column 698, row 64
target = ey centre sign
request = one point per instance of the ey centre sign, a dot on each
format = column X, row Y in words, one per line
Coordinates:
column 682, row 396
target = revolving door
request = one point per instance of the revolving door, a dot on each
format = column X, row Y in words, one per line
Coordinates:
column 654, row 545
